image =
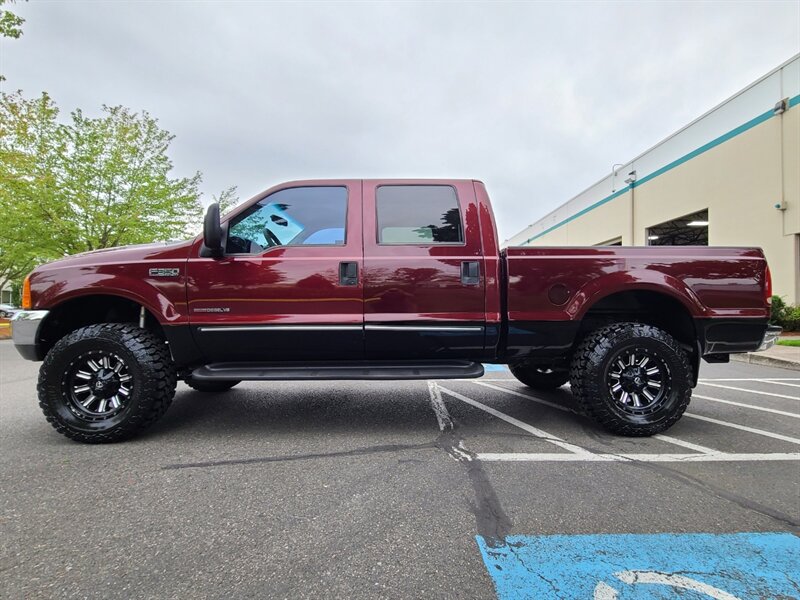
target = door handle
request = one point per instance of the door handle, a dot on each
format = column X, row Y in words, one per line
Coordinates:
column 470, row 272
column 348, row 273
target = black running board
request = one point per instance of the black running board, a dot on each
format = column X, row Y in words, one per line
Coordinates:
column 434, row 369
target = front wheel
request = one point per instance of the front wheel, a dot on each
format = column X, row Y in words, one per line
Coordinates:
column 633, row 379
column 106, row 382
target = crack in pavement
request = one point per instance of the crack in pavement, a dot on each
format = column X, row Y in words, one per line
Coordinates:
column 291, row 457
column 491, row 521
column 709, row 488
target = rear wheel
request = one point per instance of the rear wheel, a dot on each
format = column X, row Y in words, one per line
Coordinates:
column 106, row 382
column 539, row 378
column 211, row 386
column 633, row 379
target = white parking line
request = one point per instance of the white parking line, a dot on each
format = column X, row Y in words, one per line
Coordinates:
column 776, row 436
column 439, row 408
column 664, row 438
column 557, row 441
column 526, row 396
column 767, row 379
column 738, row 389
column 761, row 408
column 678, row 442
column 717, row 457
column 795, row 385
column 578, row 454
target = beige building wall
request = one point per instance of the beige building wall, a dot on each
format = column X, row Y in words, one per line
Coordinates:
column 740, row 161
column 739, row 181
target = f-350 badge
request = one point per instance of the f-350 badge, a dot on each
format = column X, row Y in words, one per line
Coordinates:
column 161, row 272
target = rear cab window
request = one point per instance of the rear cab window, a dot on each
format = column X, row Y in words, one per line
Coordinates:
column 418, row 215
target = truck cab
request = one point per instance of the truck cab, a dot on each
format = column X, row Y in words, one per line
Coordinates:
column 345, row 270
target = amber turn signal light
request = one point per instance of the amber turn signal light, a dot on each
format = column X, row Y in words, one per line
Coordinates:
column 27, row 304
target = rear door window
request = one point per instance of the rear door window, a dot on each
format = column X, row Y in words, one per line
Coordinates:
column 418, row 215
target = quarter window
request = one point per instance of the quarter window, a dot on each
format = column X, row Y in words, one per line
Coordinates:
column 303, row 216
column 418, row 214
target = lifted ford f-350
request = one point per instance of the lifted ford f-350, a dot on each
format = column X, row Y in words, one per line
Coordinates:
column 388, row 279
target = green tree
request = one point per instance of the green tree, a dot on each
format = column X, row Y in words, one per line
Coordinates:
column 86, row 184
column 10, row 24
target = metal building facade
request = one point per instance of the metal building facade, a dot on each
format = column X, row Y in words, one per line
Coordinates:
column 737, row 167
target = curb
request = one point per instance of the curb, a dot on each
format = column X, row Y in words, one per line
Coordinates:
column 759, row 358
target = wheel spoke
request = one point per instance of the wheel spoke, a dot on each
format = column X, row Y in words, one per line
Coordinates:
column 644, row 361
column 621, row 365
column 102, row 406
column 79, row 389
column 624, row 397
column 648, row 395
column 124, row 391
column 616, row 387
column 124, row 378
column 115, row 402
column 614, row 375
column 118, row 366
column 652, row 371
column 636, row 401
column 632, row 359
column 93, row 365
column 654, row 384
column 83, row 375
column 88, row 402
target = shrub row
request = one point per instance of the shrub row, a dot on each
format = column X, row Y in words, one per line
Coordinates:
column 785, row 315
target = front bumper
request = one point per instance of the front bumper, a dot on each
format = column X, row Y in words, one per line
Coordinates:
column 25, row 332
column 770, row 337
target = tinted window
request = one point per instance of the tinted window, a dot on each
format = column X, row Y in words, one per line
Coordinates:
column 292, row 217
column 418, row 214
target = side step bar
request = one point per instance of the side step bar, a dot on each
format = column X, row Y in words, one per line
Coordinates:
column 434, row 369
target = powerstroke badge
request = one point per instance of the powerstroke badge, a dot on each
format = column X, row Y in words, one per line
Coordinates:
column 164, row 272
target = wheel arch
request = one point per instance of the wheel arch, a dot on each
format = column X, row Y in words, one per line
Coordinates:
column 89, row 309
column 643, row 304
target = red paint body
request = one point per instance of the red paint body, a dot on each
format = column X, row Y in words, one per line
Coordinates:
column 400, row 285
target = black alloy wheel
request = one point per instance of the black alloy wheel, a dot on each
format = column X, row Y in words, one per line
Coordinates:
column 106, row 382
column 631, row 378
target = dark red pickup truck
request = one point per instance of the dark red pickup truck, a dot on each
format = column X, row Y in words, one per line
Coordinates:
column 389, row 279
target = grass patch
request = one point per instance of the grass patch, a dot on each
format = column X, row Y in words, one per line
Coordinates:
column 795, row 343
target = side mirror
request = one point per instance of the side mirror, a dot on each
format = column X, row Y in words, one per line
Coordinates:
column 212, row 233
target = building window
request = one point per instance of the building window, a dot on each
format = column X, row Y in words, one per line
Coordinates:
column 418, row 214
column 689, row 230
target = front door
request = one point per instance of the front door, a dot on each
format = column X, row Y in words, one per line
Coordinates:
column 424, row 278
column 289, row 286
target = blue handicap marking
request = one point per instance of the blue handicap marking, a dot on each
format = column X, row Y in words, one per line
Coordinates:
column 487, row 367
column 693, row 566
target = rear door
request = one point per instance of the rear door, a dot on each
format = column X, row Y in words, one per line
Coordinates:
column 423, row 271
column 289, row 286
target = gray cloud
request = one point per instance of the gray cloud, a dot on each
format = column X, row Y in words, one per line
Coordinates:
column 537, row 100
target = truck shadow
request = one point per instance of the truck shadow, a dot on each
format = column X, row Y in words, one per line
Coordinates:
column 292, row 408
column 396, row 408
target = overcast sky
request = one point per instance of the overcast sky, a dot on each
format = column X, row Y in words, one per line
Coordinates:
column 536, row 100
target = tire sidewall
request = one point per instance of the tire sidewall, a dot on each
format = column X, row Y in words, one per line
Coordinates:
column 65, row 353
column 649, row 339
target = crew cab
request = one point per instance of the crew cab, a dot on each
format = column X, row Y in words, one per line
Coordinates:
column 382, row 279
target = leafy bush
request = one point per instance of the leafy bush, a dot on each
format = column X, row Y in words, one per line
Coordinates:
column 785, row 315
column 792, row 321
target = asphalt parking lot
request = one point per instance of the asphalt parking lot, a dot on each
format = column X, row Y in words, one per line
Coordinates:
column 445, row 489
